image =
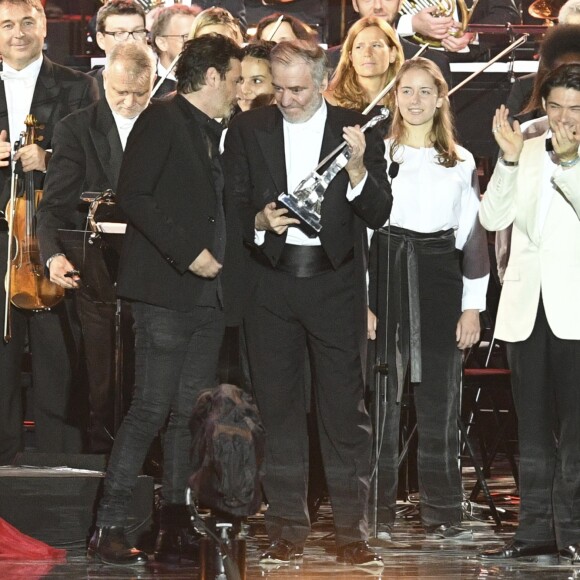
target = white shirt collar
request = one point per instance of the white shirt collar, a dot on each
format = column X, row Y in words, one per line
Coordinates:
column 29, row 72
column 314, row 125
column 123, row 122
column 161, row 70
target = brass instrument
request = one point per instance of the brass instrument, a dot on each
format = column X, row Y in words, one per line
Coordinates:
column 546, row 10
column 444, row 8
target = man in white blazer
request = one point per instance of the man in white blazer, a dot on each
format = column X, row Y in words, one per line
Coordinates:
column 536, row 187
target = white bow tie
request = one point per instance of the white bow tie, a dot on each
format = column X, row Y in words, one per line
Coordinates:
column 25, row 75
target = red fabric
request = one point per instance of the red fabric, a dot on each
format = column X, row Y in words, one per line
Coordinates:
column 15, row 545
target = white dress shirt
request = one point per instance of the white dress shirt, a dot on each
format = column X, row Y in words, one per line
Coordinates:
column 428, row 198
column 19, row 88
column 302, row 144
column 124, row 127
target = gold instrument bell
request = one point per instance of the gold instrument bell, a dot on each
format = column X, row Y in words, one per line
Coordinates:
column 546, row 10
column 444, row 8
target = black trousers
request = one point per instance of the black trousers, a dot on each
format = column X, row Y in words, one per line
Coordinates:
column 176, row 356
column 51, row 345
column 97, row 321
column 288, row 316
column 436, row 396
column 546, row 389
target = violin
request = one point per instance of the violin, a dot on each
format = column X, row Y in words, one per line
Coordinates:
column 27, row 287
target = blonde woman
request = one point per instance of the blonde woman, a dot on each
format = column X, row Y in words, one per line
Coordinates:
column 370, row 58
column 429, row 263
column 217, row 21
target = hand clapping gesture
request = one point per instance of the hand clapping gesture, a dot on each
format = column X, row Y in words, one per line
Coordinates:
column 508, row 137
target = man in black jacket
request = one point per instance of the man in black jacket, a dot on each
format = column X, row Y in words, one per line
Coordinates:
column 31, row 83
column 170, row 189
column 87, row 151
column 309, row 292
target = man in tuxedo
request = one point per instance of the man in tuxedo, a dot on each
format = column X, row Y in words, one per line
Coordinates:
column 31, row 83
column 169, row 32
column 171, row 191
column 87, row 151
column 118, row 21
column 536, row 187
column 441, row 28
column 308, row 292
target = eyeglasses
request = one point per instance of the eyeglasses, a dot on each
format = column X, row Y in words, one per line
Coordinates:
column 183, row 37
column 122, row 35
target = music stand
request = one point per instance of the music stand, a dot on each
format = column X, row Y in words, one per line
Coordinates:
column 96, row 255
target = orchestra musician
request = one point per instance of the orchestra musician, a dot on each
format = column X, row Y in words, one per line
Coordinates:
column 169, row 32
column 387, row 10
column 171, row 191
column 87, row 152
column 31, row 83
column 429, row 24
column 370, row 59
column 118, row 21
column 216, row 21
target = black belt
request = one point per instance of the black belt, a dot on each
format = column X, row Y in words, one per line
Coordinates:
column 406, row 245
column 302, row 261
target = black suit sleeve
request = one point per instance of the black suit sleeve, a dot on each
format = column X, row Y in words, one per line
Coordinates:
column 374, row 203
column 237, row 174
column 149, row 148
column 496, row 12
column 62, row 188
column 90, row 94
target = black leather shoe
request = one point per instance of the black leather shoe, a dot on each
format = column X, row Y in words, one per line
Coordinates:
column 176, row 544
column 281, row 552
column 571, row 554
column 448, row 532
column 110, row 546
column 358, row 554
column 518, row 549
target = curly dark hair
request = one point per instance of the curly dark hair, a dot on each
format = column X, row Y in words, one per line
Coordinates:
column 561, row 41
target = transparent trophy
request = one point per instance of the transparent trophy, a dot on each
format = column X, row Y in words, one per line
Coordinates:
column 305, row 202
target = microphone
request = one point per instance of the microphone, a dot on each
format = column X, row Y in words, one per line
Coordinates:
column 393, row 170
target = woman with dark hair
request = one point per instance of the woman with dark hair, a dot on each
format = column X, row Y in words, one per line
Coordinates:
column 289, row 28
column 428, row 281
column 370, row 57
column 255, row 88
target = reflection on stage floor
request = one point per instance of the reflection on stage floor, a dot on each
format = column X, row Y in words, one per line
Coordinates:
column 408, row 555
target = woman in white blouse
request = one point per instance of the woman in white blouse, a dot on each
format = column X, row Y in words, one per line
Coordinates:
column 428, row 280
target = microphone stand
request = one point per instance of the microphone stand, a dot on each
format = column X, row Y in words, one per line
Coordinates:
column 381, row 369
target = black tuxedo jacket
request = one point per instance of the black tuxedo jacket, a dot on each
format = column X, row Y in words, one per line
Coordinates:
column 494, row 12
column 166, row 190
column 255, row 170
column 59, row 91
column 87, row 156
column 97, row 74
column 167, row 86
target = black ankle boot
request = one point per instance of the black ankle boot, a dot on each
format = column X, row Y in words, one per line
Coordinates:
column 110, row 546
column 177, row 539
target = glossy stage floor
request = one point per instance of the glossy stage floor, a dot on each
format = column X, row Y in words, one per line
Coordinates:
column 408, row 555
